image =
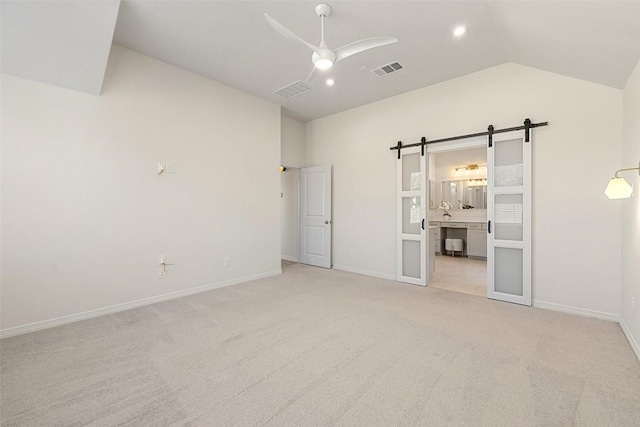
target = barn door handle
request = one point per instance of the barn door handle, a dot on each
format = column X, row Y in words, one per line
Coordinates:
column 489, row 227
column 423, row 223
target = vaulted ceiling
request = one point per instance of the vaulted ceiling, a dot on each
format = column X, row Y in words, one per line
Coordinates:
column 231, row 42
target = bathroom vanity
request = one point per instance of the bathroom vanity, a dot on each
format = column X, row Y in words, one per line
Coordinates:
column 474, row 234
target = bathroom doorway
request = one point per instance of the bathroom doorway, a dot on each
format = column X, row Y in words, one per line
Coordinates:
column 458, row 214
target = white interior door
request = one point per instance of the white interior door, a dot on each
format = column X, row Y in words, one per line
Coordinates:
column 412, row 223
column 315, row 216
column 509, row 219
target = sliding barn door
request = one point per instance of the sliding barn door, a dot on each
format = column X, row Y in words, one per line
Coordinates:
column 509, row 219
column 412, row 222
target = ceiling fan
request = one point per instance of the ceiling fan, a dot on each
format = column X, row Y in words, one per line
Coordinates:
column 323, row 58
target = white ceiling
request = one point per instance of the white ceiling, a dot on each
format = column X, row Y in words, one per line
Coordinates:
column 66, row 43
column 231, row 42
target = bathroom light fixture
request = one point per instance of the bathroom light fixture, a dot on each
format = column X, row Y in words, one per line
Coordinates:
column 330, row 82
column 475, row 182
column 618, row 187
column 471, row 169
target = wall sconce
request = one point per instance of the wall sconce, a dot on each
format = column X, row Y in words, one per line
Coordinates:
column 282, row 168
column 618, row 187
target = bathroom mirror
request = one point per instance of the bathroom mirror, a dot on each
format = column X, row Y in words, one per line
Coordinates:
column 433, row 193
column 475, row 196
column 461, row 194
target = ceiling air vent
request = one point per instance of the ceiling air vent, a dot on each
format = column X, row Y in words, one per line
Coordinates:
column 294, row 89
column 385, row 70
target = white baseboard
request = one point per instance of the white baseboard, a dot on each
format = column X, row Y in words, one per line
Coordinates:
column 289, row 258
column 632, row 341
column 46, row 324
column 576, row 310
column 365, row 272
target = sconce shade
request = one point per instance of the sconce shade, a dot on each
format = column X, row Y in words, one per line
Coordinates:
column 618, row 188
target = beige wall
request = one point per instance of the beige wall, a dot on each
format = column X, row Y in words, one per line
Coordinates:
column 576, row 230
column 84, row 213
column 292, row 154
column 631, row 212
column 292, row 142
column 289, row 213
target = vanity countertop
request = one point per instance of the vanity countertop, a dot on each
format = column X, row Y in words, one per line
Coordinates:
column 479, row 221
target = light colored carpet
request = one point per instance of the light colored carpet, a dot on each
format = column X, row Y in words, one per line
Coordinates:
column 285, row 263
column 460, row 274
column 317, row 347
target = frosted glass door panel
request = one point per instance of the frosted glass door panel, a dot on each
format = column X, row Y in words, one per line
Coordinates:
column 411, row 258
column 508, row 167
column 508, row 271
column 412, row 172
column 411, row 215
column 508, row 217
column 411, row 178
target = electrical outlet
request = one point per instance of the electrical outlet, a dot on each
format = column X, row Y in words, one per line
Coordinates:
column 227, row 262
column 633, row 304
column 350, row 252
column 169, row 167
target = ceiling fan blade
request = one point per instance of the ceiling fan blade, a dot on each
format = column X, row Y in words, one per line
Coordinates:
column 288, row 34
column 362, row 45
column 310, row 74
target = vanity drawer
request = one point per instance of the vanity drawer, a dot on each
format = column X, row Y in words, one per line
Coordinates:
column 454, row 225
column 484, row 225
column 474, row 225
column 436, row 223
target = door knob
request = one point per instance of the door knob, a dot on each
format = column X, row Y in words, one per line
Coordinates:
column 326, row 221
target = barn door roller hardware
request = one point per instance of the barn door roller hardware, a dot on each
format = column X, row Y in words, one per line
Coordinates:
column 489, row 132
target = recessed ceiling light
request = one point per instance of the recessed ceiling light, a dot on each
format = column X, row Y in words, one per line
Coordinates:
column 330, row 82
column 459, row 30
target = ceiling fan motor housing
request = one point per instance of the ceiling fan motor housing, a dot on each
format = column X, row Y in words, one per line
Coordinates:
column 323, row 9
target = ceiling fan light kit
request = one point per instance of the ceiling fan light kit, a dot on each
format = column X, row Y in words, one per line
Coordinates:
column 323, row 57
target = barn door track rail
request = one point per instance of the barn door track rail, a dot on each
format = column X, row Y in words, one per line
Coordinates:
column 527, row 126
